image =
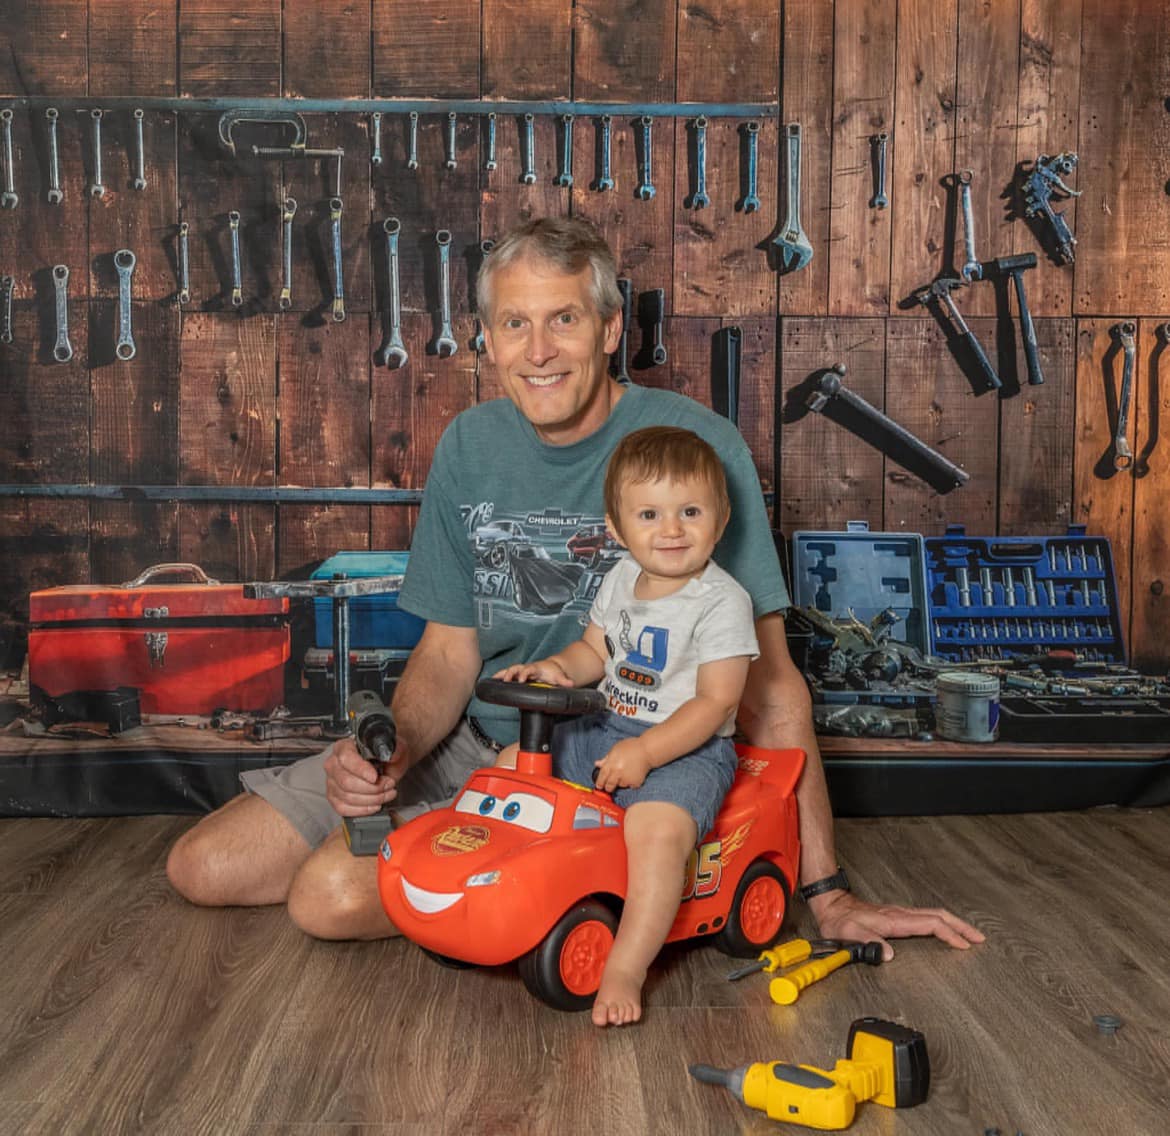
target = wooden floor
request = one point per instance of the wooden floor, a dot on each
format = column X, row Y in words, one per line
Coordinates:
column 123, row 1009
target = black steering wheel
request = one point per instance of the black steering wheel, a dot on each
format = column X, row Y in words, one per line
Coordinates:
column 540, row 696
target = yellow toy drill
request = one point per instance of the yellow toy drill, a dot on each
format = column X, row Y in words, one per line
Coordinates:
column 887, row 1063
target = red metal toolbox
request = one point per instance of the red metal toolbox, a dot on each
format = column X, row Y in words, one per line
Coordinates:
column 188, row 647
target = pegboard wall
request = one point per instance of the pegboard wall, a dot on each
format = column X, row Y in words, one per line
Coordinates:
column 250, row 398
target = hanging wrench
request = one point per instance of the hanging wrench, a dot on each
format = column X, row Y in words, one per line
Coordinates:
column 376, row 156
column 184, row 264
column 565, row 177
column 645, row 190
column 795, row 250
column 699, row 199
column 485, row 246
column 412, row 153
column 656, row 309
column 879, row 142
column 286, row 221
column 752, row 201
column 9, row 197
column 621, row 370
column 1122, row 454
column 445, row 345
column 62, row 349
column 237, row 274
column 139, row 152
column 452, row 161
column 6, row 286
column 97, row 189
column 529, row 177
column 55, row 196
column 605, row 181
column 338, row 287
column 124, row 261
column 490, row 162
column 972, row 269
column 393, row 355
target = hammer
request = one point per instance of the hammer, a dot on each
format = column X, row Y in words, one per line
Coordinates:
column 1014, row 266
column 941, row 290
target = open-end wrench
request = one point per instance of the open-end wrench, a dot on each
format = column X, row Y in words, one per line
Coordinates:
column 124, row 261
column 452, row 161
column 9, row 198
column 54, row 196
column 6, row 286
column 795, row 249
column 237, row 272
column 1122, row 454
column 529, row 176
column 394, row 354
column 445, row 345
column 376, row 127
column 287, row 213
column 62, row 349
column 646, row 190
column 412, row 151
column 490, row 161
column 184, row 264
column 485, row 246
column 139, row 152
column 941, row 290
column 879, row 143
column 752, row 201
column 605, row 180
column 972, row 269
column 97, row 188
column 565, row 177
column 622, row 370
column 699, row 199
column 338, row 281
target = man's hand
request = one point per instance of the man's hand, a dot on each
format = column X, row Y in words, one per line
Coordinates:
column 353, row 786
column 841, row 915
column 543, row 670
column 624, row 767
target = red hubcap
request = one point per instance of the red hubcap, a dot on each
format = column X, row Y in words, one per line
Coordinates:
column 583, row 956
column 762, row 910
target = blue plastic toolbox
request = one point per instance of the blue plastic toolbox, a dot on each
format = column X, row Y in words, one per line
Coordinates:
column 374, row 621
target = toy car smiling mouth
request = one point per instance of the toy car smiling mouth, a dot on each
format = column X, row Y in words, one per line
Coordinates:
column 525, row 866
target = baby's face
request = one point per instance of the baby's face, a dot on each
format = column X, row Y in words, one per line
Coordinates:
column 670, row 526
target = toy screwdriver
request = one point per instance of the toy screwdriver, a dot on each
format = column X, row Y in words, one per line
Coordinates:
column 887, row 1063
column 828, row 955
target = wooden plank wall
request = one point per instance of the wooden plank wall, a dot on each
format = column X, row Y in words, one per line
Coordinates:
column 261, row 398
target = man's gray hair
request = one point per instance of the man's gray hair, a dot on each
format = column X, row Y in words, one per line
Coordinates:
column 566, row 244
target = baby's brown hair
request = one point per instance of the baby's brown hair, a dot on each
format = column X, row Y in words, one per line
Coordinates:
column 669, row 452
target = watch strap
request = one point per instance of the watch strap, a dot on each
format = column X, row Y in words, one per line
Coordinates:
column 838, row 881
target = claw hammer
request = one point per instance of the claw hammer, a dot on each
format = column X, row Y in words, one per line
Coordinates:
column 1015, row 266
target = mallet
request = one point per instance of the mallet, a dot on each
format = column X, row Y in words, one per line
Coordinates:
column 1015, row 266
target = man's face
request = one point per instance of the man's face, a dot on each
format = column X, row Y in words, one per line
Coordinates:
column 550, row 347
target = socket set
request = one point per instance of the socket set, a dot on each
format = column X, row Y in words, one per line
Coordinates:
column 999, row 597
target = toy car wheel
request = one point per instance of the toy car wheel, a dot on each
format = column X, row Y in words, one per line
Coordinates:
column 757, row 912
column 447, row 960
column 564, row 969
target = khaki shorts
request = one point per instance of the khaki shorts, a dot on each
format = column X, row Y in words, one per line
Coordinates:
column 297, row 791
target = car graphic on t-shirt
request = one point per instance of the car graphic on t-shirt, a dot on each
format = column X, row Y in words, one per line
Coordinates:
column 592, row 544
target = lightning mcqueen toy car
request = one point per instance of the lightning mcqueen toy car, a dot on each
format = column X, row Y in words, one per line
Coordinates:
column 525, row 866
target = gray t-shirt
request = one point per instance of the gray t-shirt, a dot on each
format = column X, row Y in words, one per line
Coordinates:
column 654, row 648
column 511, row 539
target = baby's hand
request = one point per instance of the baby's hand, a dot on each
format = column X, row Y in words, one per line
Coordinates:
column 543, row 670
column 624, row 767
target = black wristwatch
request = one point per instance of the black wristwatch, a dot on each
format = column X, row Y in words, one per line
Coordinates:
column 838, row 881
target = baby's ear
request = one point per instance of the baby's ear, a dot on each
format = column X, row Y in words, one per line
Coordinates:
column 612, row 529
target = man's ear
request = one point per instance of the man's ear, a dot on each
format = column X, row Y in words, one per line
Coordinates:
column 612, row 529
column 489, row 349
column 613, row 332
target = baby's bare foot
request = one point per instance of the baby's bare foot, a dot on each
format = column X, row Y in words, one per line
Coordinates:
column 619, row 998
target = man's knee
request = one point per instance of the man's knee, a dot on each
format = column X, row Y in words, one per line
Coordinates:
column 334, row 895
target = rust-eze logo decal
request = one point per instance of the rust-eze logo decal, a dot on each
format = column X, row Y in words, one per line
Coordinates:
column 459, row 838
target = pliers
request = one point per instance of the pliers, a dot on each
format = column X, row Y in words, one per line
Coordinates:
column 828, row 955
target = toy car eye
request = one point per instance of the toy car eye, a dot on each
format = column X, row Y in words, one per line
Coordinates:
column 528, row 811
column 472, row 801
column 486, row 806
column 511, row 810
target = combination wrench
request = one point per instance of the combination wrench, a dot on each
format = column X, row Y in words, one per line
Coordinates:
column 376, row 126
column 879, row 144
column 794, row 248
column 338, row 284
column 97, row 188
column 237, row 273
column 394, row 354
column 972, row 269
column 605, row 180
column 412, row 151
column 184, row 263
column 6, row 285
column 445, row 345
column 621, row 363
column 699, row 199
column 656, row 310
column 139, row 152
column 124, row 261
column 485, row 246
column 752, row 201
column 452, row 161
column 1122, row 454
column 565, row 177
column 490, row 162
column 62, row 349
column 9, row 198
column 54, row 196
column 287, row 213
column 646, row 190
column 529, row 176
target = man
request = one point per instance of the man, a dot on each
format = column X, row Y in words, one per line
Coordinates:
column 512, row 479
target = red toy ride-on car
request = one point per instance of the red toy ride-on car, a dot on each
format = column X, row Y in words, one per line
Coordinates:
column 524, row 866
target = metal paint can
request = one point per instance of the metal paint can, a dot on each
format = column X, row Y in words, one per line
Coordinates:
column 968, row 707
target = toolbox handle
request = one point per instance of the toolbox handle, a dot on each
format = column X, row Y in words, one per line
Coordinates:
column 1027, row 552
column 148, row 574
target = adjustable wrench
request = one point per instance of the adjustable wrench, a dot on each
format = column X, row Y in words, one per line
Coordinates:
column 338, row 283
column 9, row 198
column 1122, row 454
column 529, row 177
column 139, row 152
column 376, row 126
column 54, row 196
column 565, row 177
column 605, row 181
column 794, row 246
column 184, row 264
column 124, row 261
column 485, row 246
column 941, row 290
column 287, row 213
column 879, row 143
column 97, row 189
column 972, row 269
column 645, row 190
column 490, row 161
column 62, row 349
column 452, row 160
column 237, row 276
column 393, row 355
column 752, row 201
column 699, row 199
column 6, row 286
column 445, row 345
column 412, row 153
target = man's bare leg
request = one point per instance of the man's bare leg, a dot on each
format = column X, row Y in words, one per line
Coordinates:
column 659, row 838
